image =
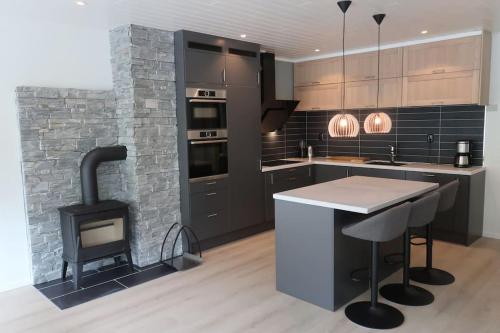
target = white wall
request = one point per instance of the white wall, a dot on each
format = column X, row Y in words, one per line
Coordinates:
column 492, row 148
column 37, row 54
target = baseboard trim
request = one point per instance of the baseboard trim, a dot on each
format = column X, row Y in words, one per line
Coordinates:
column 488, row 234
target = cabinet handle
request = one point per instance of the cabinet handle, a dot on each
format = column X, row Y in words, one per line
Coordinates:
column 211, row 183
column 437, row 103
column 224, row 75
column 258, row 78
column 438, row 71
column 370, row 77
column 210, row 194
column 315, row 108
column 211, row 215
column 429, row 175
column 316, row 82
column 292, row 178
column 272, row 179
column 348, row 174
column 292, row 170
column 370, row 106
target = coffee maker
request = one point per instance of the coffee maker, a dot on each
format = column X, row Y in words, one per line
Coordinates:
column 463, row 156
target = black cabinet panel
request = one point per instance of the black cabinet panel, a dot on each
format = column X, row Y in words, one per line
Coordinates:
column 208, row 185
column 206, row 202
column 210, row 224
column 244, row 151
column 326, row 173
column 205, row 67
column 381, row 173
column 242, row 70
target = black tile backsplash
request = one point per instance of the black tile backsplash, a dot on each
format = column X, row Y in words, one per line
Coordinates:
column 409, row 134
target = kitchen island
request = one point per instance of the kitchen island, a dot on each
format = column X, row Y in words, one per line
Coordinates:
column 315, row 262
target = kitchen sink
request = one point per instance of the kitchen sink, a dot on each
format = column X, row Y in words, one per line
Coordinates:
column 389, row 163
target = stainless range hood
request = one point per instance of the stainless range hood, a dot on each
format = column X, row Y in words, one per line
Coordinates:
column 275, row 112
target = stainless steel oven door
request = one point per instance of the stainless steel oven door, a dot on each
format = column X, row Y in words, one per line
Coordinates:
column 207, row 158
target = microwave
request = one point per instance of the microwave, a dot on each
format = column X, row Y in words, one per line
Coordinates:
column 206, row 109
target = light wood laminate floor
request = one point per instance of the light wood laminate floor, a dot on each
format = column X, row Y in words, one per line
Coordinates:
column 233, row 291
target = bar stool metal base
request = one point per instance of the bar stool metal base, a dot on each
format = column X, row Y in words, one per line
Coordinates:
column 432, row 276
column 406, row 295
column 378, row 316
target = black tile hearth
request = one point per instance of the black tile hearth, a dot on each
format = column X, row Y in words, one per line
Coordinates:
column 101, row 282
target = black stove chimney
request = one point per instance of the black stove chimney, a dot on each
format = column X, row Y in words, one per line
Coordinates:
column 88, row 170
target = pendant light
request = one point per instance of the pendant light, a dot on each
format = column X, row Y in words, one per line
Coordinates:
column 378, row 122
column 343, row 125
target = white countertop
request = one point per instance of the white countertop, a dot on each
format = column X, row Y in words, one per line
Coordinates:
column 357, row 194
column 420, row 167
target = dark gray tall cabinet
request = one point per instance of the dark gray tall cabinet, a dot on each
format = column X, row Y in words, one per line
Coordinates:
column 205, row 61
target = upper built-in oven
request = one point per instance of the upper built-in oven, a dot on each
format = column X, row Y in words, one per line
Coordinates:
column 206, row 109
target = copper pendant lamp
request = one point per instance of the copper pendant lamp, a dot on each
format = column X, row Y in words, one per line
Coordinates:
column 343, row 125
column 378, row 122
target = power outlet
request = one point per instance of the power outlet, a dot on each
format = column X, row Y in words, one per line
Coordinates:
column 430, row 138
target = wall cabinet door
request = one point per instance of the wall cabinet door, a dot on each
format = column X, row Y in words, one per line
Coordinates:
column 326, row 173
column 243, row 70
column 456, row 55
column 363, row 66
column 244, row 154
column 324, row 71
column 205, row 67
column 442, row 89
column 320, row 97
column 363, row 94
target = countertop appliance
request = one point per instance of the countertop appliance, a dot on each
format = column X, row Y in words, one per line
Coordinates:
column 275, row 112
column 463, row 156
column 206, row 109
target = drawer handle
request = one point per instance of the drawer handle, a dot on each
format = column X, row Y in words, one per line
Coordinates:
column 370, row 77
column 315, row 108
column 292, row 170
column 437, row 103
column 292, row 178
column 438, row 71
column 210, row 194
column 211, row 183
column 211, row 215
column 429, row 175
column 315, row 82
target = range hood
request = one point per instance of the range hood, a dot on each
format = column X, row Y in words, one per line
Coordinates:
column 275, row 112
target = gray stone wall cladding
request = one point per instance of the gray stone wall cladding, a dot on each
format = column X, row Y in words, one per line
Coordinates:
column 58, row 126
column 144, row 84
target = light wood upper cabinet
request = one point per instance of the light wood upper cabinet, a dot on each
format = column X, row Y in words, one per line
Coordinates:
column 325, row 71
column 455, row 55
column 363, row 66
column 319, row 97
column 363, row 94
column 442, row 89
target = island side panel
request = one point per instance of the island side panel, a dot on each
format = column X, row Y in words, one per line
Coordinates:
column 304, row 252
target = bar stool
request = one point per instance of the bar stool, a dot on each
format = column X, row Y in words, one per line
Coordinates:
column 423, row 212
column 428, row 274
column 382, row 227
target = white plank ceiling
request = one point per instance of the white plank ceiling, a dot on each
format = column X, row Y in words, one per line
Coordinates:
column 293, row 29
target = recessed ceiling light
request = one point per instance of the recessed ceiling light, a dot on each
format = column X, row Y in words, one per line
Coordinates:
column 243, row 36
column 423, row 32
column 317, row 50
column 80, row 3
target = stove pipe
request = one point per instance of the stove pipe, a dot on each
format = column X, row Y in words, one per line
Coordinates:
column 88, row 170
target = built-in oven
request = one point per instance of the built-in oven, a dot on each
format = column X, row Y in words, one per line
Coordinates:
column 207, row 154
column 206, row 109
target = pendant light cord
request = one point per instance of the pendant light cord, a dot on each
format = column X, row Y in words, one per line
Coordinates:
column 378, row 66
column 343, row 64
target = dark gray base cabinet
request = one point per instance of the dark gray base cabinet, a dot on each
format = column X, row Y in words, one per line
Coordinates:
column 464, row 223
column 284, row 180
column 381, row 173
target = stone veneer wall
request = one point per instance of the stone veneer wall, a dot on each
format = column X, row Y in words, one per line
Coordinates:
column 58, row 126
column 144, row 84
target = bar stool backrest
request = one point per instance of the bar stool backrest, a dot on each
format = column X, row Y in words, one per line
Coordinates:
column 423, row 210
column 381, row 227
column 448, row 194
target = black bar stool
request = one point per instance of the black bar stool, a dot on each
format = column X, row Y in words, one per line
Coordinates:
column 423, row 212
column 382, row 227
column 428, row 274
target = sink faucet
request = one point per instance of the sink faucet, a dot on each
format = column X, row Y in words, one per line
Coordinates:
column 393, row 153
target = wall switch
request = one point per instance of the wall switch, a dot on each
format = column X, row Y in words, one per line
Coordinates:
column 430, row 138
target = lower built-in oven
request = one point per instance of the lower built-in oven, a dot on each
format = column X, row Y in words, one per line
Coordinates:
column 207, row 154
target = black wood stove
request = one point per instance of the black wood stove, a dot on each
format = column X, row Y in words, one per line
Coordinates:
column 95, row 229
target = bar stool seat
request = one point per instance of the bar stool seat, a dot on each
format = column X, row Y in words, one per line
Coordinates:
column 429, row 274
column 382, row 227
column 423, row 212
